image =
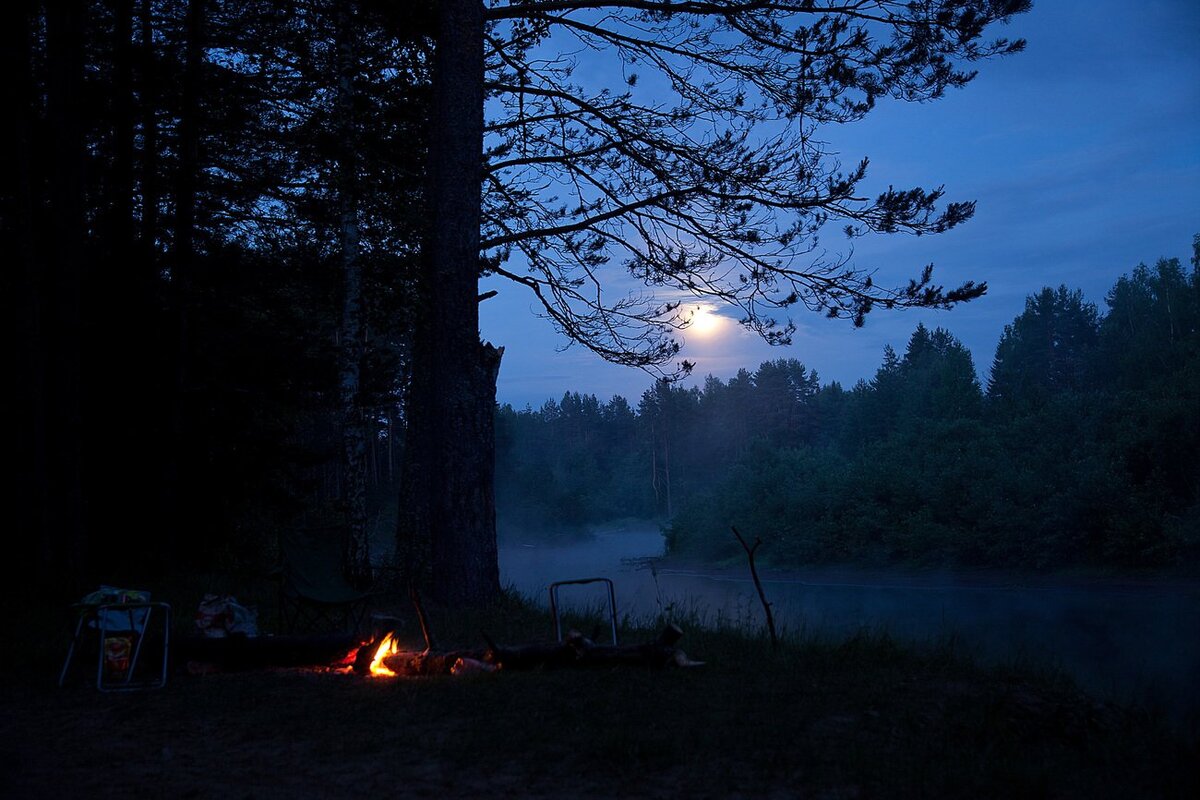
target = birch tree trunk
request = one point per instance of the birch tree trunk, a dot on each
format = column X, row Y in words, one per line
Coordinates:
column 350, row 341
column 149, row 164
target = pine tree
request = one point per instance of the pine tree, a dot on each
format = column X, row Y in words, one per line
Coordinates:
column 1045, row 350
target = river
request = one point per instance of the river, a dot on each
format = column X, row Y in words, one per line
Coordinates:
column 1132, row 640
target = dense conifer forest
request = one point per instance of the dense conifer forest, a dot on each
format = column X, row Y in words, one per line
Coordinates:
column 211, row 220
column 1081, row 447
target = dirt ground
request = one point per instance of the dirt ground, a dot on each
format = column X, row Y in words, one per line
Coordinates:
column 281, row 734
column 854, row 718
column 851, row 721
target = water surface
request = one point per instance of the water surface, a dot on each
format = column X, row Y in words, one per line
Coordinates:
column 1133, row 640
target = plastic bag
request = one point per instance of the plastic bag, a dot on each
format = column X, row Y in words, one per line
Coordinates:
column 222, row 615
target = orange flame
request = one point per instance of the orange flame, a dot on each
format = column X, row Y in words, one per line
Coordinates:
column 386, row 648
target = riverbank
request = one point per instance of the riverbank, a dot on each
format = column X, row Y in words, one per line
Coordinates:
column 1129, row 638
column 859, row 717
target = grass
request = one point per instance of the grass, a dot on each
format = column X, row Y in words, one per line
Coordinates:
column 859, row 717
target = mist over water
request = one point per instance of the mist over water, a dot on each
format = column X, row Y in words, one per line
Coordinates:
column 1135, row 640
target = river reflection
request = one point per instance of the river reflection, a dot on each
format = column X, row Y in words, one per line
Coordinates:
column 1133, row 640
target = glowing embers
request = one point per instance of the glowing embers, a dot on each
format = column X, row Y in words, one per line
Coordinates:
column 387, row 647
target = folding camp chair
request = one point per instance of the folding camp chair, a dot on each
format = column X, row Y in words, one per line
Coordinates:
column 130, row 638
column 314, row 593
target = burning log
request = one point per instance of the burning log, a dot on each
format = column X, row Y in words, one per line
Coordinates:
column 451, row 662
column 383, row 658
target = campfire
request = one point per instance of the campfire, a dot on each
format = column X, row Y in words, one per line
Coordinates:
column 387, row 647
column 382, row 656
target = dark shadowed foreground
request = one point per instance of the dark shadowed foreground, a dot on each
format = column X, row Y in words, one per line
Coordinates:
column 858, row 718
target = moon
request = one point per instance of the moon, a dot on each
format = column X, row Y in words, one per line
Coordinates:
column 704, row 322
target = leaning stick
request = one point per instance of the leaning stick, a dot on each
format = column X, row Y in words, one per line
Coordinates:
column 762, row 596
column 421, row 618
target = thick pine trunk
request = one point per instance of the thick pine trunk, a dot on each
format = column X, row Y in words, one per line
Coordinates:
column 448, row 515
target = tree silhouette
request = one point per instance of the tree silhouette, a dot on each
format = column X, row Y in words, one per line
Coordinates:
column 702, row 171
column 1045, row 349
column 721, row 191
column 217, row 211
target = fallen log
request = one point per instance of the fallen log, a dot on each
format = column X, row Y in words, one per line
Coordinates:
column 576, row 652
column 659, row 653
column 450, row 662
column 237, row 653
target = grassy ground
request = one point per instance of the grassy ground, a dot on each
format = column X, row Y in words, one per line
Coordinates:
column 857, row 718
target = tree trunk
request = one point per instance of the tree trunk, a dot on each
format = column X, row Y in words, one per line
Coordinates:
column 149, row 165
column 182, row 269
column 189, row 145
column 448, row 521
column 65, row 529
column 120, row 230
column 23, row 296
column 117, row 315
column 350, row 341
column 667, row 473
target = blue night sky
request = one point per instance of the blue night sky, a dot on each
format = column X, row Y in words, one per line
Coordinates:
column 1083, row 153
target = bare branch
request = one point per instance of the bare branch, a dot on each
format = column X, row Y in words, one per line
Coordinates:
column 719, row 188
column 762, row 595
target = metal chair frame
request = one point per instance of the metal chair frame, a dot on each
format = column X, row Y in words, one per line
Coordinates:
column 612, row 604
column 103, row 619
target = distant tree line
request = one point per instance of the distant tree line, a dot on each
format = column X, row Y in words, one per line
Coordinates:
column 1083, row 447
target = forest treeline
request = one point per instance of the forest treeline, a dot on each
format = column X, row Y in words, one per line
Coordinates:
column 1081, row 448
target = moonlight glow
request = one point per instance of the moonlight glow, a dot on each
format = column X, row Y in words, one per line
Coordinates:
column 705, row 323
